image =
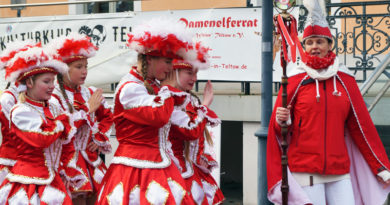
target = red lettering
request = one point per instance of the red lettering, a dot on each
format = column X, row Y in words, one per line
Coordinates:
column 234, row 23
column 238, row 23
column 185, row 21
column 198, row 24
column 243, row 23
column 226, row 22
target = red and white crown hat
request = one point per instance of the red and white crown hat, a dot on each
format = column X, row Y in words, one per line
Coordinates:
column 201, row 62
column 316, row 24
column 13, row 48
column 34, row 60
column 73, row 47
column 162, row 37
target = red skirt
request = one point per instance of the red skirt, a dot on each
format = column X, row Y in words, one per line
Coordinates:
column 17, row 193
column 94, row 176
column 203, row 188
column 128, row 185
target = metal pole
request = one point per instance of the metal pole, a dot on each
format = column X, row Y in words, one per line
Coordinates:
column 266, row 98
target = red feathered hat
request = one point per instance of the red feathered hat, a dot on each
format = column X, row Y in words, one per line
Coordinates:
column 316, row 24
column 201, row 61
column 73, row 47
column 32, row 61
column 13, row 48
column 163, row 38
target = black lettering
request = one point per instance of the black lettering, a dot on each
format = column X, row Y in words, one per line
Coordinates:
column 37, row 36
column 22, row 34
column 2, row 44
column 68, row 31
column 123, row 34
column 115, row 33
column 45, row 37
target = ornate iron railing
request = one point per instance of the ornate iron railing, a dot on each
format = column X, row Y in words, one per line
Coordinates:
column 361, row 33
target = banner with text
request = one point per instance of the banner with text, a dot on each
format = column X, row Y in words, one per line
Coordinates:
column 233, row 35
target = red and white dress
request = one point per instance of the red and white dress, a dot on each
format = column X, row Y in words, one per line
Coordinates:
column 200, row 184
column 76, row 157
column 7, row 150
column 40, row 129
column 142, row 171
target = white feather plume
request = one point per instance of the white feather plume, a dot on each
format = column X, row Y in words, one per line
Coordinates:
column 43, row 58
column 58, row 43
column 162, row 27
column 14, row 47
column 316, row 15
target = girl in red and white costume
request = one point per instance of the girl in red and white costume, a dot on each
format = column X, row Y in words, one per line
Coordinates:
column 40, row 129
column 7, row 100
column 335, row 155
column 82, row 155
column 188, row 145
column 142, row 172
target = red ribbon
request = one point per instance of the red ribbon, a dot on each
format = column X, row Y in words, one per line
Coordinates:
column 290, row 35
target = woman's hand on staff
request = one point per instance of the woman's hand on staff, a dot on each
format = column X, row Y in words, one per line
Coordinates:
column 283, row 114
column 208, row 94
column 92, row 146
column 96, row 100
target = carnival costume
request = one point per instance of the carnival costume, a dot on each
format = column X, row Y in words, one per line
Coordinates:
column 76, row 157
column 142, row 172
column 331, row 135
column 39, row 129
column 196, row 165
column 7, row 100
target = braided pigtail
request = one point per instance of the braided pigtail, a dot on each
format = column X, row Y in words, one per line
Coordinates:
column 144, row 72
column 62, row 88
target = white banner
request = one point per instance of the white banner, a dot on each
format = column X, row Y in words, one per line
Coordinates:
column 233, row 35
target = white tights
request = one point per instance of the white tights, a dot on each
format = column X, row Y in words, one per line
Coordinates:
column 331, row 193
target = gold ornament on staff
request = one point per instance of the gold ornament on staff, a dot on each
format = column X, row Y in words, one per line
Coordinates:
column 285, row 26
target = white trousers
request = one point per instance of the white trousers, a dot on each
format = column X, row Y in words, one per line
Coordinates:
column 331, row 193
